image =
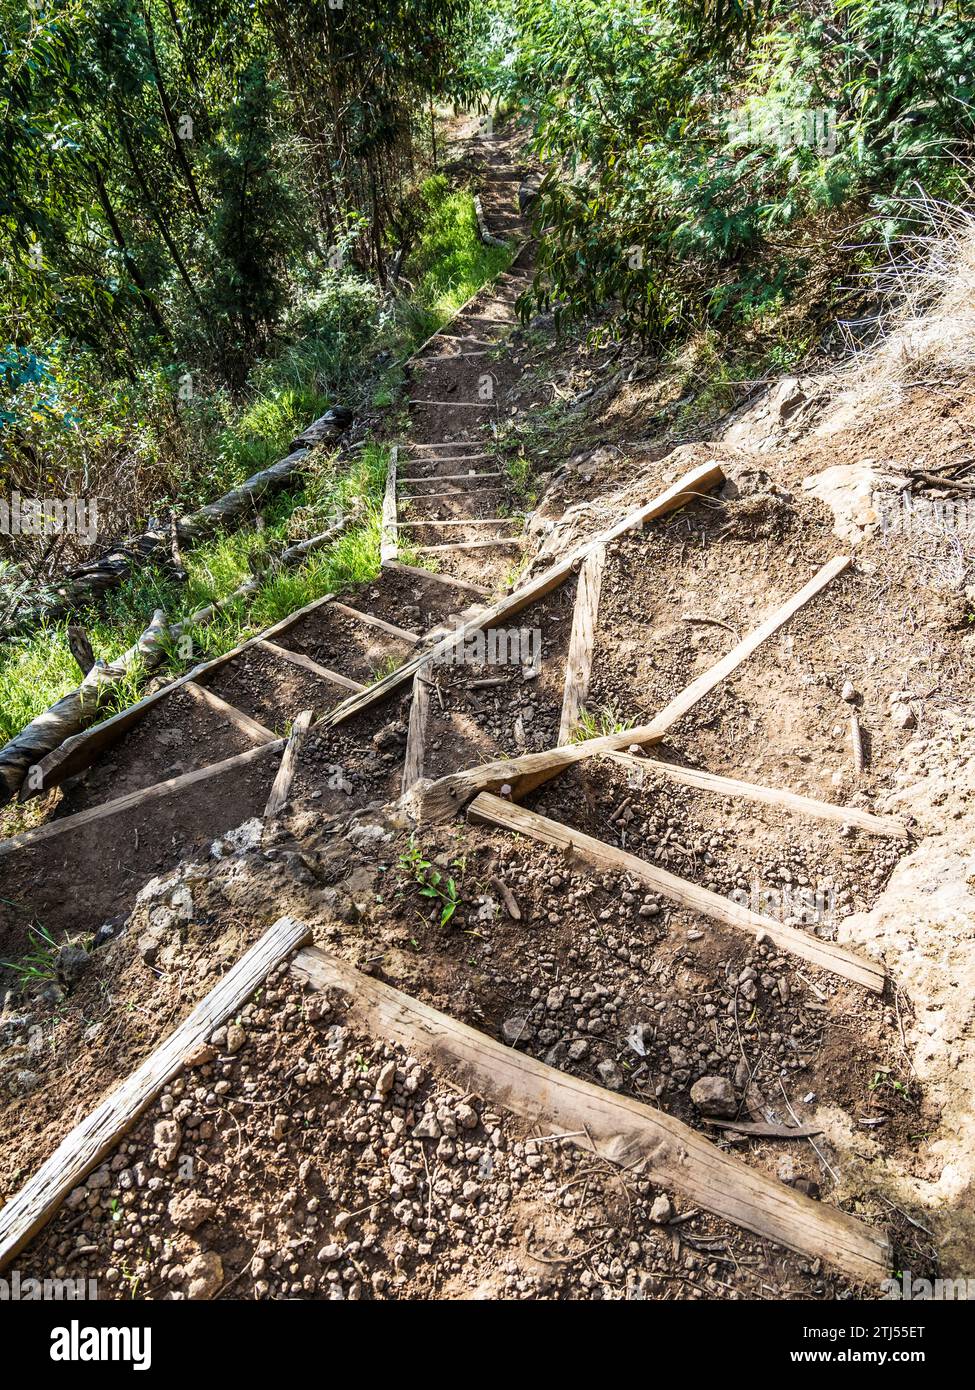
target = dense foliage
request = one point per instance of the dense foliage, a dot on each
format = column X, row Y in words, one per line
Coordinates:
column 691, row 150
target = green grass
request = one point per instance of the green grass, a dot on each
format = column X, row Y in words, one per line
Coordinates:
column 38, row 669
column 597, row 724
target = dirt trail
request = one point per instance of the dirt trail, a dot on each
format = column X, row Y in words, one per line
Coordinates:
column 323, row 1162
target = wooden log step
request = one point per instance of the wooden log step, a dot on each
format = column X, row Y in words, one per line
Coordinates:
column 770, row 796
column 281, row 790
column 530, row 770
column 438, row 578
column 456, row 405
column 451, row 478
column 387, row 536
column 826, row 955
column 496, row 542
column 622, row 1130
column 465, row 521
column 258, row 732
column 91, row 1140
column 27, row 838
column 380, row 624
column 706, row 476
column 306, row 664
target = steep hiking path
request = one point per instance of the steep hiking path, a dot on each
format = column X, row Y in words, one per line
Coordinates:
column 159, row 781
column 470, row 698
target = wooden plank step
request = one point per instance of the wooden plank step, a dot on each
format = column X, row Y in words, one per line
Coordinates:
column 826, row 955
column 582, row 641
column 438, row 578
column 624, row 1131
column 306, row 663
column 387, row 539
column 496, row 542
column 281, row 790
column 525, row 773
column 451, row 478
column 770, row 796
column 456, row 405
column 27, row 838
column 258, row 732
column 705, row 476
column 465, row 521
column 380, row 624
column 90, row 1141
column 79, row 752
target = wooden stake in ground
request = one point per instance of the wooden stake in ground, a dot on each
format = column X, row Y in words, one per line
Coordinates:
column 505, row 815
column 447, row 795
column 281, row 790
column 80, row 648
column 638, row 1138
column 582, row 641
column 99, row 1133
column 417, row 736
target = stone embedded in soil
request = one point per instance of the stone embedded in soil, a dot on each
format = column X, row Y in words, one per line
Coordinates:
column 610, row 1074
column 516, row 1029
column 72, row 963
column 236, row 1037
column 204, row 1275
column 427, row 1128
column 714, row 1096
column 189, row 1210
column 662, row 1209
column 902, row 716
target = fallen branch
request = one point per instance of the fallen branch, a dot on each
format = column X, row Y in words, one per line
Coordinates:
column 76, row 710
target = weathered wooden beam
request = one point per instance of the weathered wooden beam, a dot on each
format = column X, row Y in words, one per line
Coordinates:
column 387, row 541
column 620, row 1129
column 251, row 727
column 447, row 795
column 281, row 790
column 826, row 955
column 468, row 521
column 417, row 732
column 578, row 663
column 380, row 624
column 28, row 838
column 312, row 667
column 91, row 1140
column 769, row 796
